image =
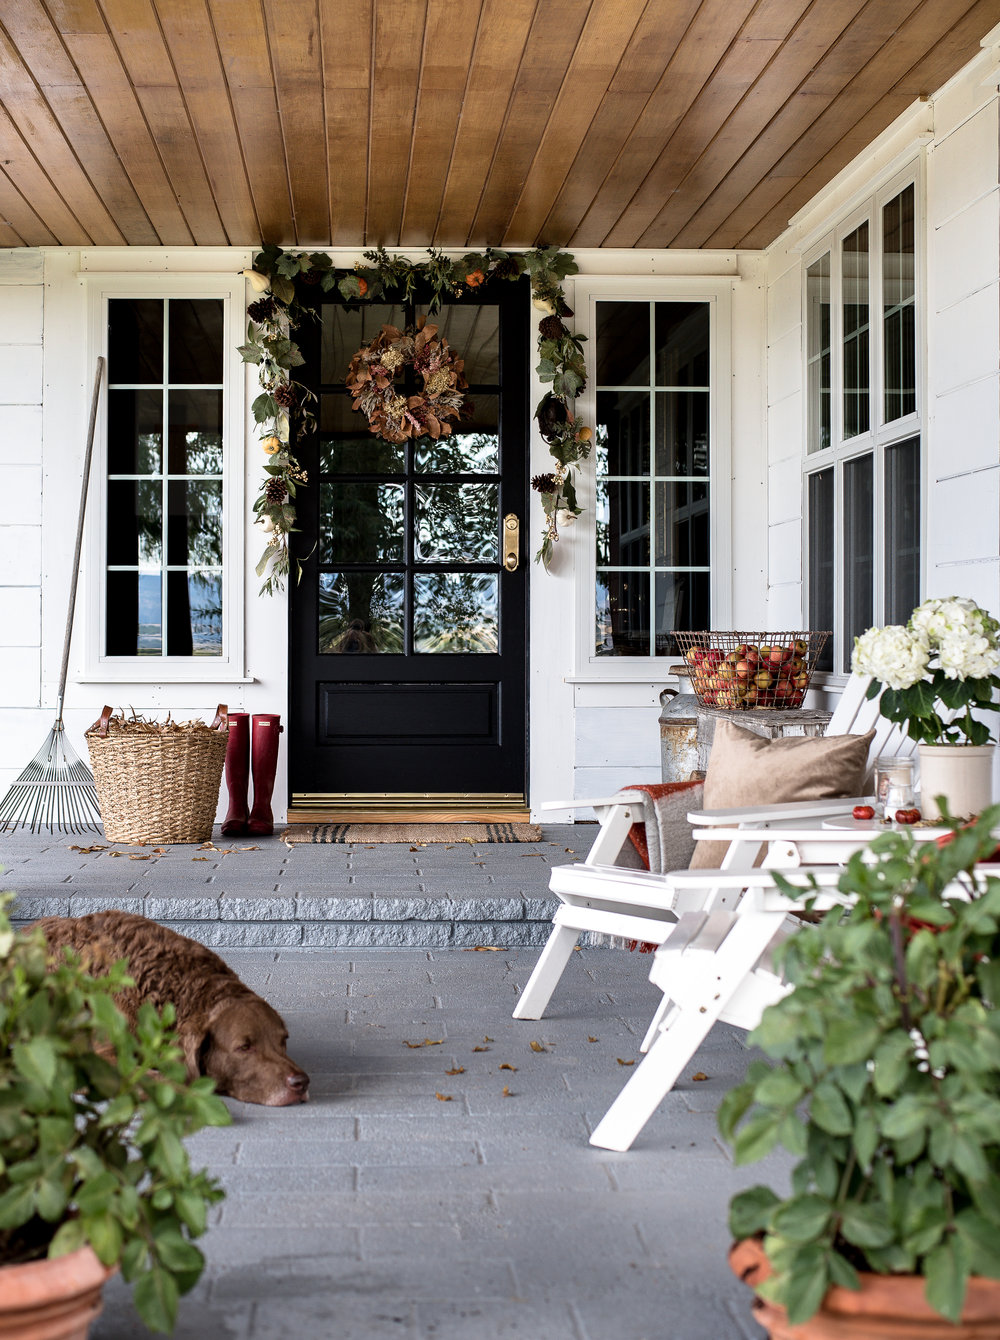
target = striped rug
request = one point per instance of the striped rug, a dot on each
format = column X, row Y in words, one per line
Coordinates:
column 423, row 833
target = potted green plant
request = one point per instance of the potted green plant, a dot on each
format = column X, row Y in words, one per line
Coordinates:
column 93, row 1172
column 884, row 1081
column 933, row 674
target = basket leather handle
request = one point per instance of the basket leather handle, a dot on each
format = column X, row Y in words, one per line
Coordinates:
column 221, row 719
column 101, row 724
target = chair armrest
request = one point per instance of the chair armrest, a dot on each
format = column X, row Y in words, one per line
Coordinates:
column 585, row 804
column 793, row 810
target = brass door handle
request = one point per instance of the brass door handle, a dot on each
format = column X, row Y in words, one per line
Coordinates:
column 511, row 542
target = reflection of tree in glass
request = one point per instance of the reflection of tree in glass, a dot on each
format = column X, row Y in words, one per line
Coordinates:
column 360, row 456
column 455, row 612
column 459, row 453
column 362, row 523
column 371, row 600
column 204, row 453
column 457, row 523
column 203, row 504
column 205, row 602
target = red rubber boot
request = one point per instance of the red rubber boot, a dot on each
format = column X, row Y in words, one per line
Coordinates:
column 266, row 729
column 237, row 773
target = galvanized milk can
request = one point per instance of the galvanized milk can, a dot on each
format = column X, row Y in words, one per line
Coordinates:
column 679, row 728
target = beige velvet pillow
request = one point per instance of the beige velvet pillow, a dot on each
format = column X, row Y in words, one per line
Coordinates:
column 745, row 769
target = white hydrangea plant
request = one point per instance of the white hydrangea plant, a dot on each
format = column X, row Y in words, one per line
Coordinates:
column 934, row 672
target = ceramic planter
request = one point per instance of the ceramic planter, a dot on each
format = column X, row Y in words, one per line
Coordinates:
column 52, row 1299
column 963, row 773
column 886, row 1307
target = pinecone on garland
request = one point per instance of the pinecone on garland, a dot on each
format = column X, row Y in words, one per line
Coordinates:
column 275, row 491
column 285, row 394
column 508, row 268
column 551, row 328
column 262, row 309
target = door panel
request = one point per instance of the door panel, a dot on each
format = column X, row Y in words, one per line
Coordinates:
column 408, row 635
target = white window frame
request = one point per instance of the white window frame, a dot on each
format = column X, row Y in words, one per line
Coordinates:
column 229, row 666
column 880, row 435
column 717, row 292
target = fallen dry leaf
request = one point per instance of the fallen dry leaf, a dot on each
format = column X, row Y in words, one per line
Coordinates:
column 249, row 849
column 414, row 849
column 443, row 1097
column 621, row 1062
column 98, row 846
column 193, row 858
column 480, row 1049
column 161, row 851
column 487, row 1039
column 138, row 856
column 116, row 853
column 698, row 1076
column 505, row 1092
column 427, row 1042
column 593, row 1039
column 505, row 1066
column 458, row 1070
column 484, row 949
column 208, row 846
column 537, row 1047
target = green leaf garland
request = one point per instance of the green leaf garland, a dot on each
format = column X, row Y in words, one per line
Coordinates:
column 276, row 277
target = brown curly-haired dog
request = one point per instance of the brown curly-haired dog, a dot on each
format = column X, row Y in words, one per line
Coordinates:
column 225, row 1029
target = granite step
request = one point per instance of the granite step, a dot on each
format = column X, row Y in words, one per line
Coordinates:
column 266, row 893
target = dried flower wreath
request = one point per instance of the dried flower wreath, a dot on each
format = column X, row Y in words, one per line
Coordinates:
column 276, row 276
column 371, row 380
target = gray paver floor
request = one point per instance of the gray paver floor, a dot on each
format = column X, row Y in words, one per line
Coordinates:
column 381, row 1210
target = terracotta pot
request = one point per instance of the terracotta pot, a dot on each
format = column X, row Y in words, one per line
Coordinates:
column 886, row 1307
column 52, row 1299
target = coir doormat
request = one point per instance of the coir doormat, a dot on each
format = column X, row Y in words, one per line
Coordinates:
column 369, row 833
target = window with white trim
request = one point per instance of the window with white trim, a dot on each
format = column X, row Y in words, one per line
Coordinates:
column 862, row 463
column 654, row 400
column 164, row 594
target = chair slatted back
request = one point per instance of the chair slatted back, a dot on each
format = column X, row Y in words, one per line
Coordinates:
column 855, row 715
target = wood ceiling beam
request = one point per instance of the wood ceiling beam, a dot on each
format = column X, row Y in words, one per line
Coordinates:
column 76, row 122
column 399, row 33
column 710, row 33
column 694, row 163
column 194, row 55
column 948, row 53
column 650, row 49
column 243, row 49
column 552, row 43
column 449, row 43
column 503, row 32
column 346, row 97
column 295, row 40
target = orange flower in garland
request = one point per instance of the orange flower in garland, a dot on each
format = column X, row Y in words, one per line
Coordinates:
column 371, row 379
column 475, row 278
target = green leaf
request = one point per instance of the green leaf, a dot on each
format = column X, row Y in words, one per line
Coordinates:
column 176, row 1253
column 191, row 1211
column 750, row 1211
column 829, row 1110
column 806, row 1287
column 982, row 1241
column 105, row 1236
column 68, row 1237
column 733, row 1108
column 36, row 1060
column 865, row 1137
column 757, row 1138
column 866, row 1225
column 946, row 1270
column 905, row 1118
column 802, row 1219
column 893, row 1058
column 779, row 1088
column 17, row 1206
column 850, row 1039
column 155, row 1297
column 50, row 1200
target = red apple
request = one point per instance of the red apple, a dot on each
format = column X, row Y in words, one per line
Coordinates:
column 763, row 680
column 908, row 816
column 863, row 812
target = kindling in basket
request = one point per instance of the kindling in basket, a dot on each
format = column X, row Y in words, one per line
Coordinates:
column 157, row 781
column 744, row 670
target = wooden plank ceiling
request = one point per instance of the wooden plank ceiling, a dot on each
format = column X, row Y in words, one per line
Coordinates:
column 454, row 123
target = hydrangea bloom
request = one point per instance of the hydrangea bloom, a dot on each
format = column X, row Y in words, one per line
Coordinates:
column 894, row 655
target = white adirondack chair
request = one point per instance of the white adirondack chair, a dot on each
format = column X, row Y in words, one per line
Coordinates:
column 599, row 895
column 716, row 965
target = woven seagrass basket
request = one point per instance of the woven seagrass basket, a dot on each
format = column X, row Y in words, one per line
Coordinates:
column 157, row 783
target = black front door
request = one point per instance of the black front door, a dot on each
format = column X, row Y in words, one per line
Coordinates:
column 408, row 632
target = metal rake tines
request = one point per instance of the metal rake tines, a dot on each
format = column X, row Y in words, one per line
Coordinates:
column 55, row 791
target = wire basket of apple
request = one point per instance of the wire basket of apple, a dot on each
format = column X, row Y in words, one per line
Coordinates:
column 739, row 670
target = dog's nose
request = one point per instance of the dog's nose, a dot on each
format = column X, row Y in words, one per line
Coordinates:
column 298, row 1082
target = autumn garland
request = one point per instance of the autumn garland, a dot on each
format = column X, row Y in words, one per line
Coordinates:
column 274, row 314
